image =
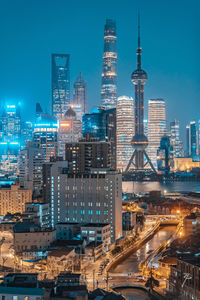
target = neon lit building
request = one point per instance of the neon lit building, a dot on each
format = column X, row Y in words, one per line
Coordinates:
column 101, row 124
column 109, row 72
column 156, row 127
column 175, row 140
column 45, row 134
column 70, row 131
column 80, row 95
column 125, row 131
column 26, row 133
column 60, row 84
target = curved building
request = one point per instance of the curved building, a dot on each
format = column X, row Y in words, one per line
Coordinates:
column 109, row 72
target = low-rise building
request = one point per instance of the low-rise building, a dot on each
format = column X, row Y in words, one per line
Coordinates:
column 13, row 199
column 184, row 280
column 94, row 250
column 38, row 213
column 60, row 260
column 21, row 286
column 128, row 220
column 191, row 224
column 27, row 236
column 94, row 232
column 67, row 230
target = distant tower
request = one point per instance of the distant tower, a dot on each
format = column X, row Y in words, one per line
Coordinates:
column 60, row 84
column 139, row 141
column 109, row 73
column 125, row 131
column 156, row 127
column 192, row 140
column 80, row 93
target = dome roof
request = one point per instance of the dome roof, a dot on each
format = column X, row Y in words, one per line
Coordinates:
column 70, row 113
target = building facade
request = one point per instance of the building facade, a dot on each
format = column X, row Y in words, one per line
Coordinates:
column 80, row 94
column 70, row 131
column 192, row 140
column 94, row 197
column 45, row 135
column 125, row 131
column 13, row 199
column 60, row 84
column 30, row 167
column 101, row 124
column 156, row 127
column 175, row 140
column 109, row 72
column 88, row 153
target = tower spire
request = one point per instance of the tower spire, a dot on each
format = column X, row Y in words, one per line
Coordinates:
column 139, row 49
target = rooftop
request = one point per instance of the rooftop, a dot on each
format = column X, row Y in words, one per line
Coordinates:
column 95, row 225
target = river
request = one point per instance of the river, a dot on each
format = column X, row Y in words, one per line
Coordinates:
column 169, row 187
column 131, row 263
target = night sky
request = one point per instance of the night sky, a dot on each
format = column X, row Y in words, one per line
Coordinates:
column 30, row 30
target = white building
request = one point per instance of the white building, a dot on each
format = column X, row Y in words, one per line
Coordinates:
column 156, row 127
column 125, row 131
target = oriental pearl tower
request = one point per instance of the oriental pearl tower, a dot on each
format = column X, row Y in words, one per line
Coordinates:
column 139, row 141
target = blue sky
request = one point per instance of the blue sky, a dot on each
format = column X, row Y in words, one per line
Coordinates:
column 31, row 30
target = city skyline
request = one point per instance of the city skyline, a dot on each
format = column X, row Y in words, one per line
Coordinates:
column 167, row 76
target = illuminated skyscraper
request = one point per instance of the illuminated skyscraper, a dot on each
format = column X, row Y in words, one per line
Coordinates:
column 139, row 141
column 70, row 131
column 60, row 84
column 45, row 135
column 109, row 72
column 125, row 131
column 156, row 127
column 11, row 124
column 192, row 140
column 175, row 140
column 80, row 95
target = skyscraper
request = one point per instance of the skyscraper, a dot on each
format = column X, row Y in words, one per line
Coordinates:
column 175, row 140
column 125, row 131
column 45, row 135
column 156, row 127
column 11, row 124
column 192, row 140
column 60, row 84
column 139, row 141
column 80, row 94
column 70, row 131
column 109, row 72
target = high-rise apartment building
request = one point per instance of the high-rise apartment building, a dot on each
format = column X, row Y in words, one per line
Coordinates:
column 94, row 197
column 26, row 133
column 156, row 127
column 70, row 131
column 30, row 167
column 192, row 140
column 175, row 140
column 60, row 84
column 80, row 95
column 125, row 131
column 45, row 135
column 109, row 72
column 101, row 124
column 88, row 153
